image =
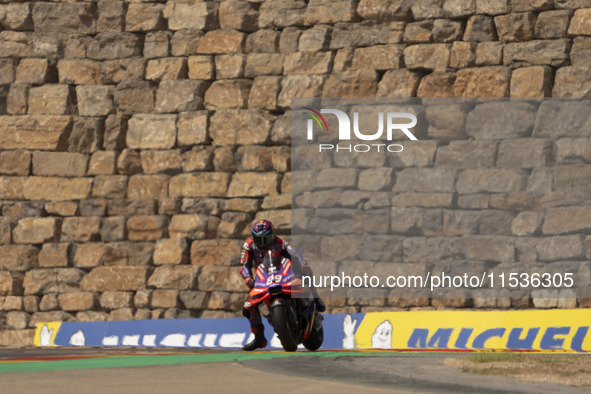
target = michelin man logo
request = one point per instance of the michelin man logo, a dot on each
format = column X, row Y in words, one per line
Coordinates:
column 382, row 336
column 78, row 338
column 349, row 332
column 45, row 336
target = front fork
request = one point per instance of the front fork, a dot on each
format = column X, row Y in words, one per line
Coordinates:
column 290, row 307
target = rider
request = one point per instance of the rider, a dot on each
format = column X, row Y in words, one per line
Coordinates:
column 254, row 250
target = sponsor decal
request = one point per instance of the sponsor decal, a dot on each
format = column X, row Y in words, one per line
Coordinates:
column 538, row 330
column 523, row 330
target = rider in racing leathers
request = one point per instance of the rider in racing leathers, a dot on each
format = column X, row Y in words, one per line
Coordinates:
column 254, row 250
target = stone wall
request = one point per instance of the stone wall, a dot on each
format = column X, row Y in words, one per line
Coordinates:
column 138, row 140
column 492, row 189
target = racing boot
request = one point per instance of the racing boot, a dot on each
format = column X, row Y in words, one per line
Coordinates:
column 259, row 340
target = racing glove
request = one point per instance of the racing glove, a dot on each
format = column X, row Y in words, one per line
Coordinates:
column 249, row 282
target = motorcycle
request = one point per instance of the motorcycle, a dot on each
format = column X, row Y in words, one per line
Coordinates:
column 293, row 314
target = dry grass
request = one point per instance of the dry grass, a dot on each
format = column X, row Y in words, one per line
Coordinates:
column 572, row 370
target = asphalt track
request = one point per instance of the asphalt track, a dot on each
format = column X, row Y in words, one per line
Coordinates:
column 70, row 370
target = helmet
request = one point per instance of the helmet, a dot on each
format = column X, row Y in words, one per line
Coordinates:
column 263, row 233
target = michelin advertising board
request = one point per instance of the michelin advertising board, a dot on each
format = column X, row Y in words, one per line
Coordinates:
column 518, row 330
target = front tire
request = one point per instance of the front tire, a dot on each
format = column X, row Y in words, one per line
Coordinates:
column 284, row 328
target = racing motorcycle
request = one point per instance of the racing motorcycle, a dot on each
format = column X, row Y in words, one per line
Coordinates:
column 293, row 314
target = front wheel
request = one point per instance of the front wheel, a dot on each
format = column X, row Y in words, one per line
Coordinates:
column 284, row 328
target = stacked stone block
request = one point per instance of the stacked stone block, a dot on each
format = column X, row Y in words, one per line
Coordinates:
column 139, row 139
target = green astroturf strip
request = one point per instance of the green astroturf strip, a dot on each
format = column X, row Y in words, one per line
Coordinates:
column 152, row 360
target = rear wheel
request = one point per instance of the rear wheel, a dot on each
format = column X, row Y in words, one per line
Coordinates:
column 314, row 340
column 286, row 330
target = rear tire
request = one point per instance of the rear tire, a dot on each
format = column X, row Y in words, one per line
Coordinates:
column 284, row 328
column 315, row 339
